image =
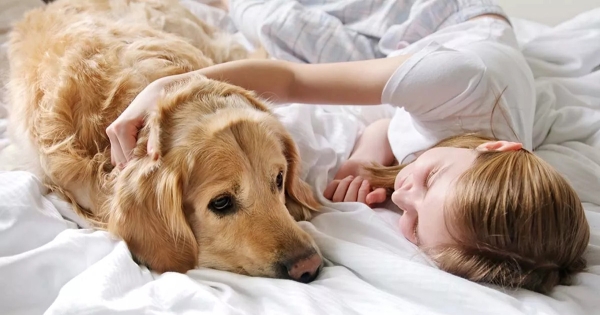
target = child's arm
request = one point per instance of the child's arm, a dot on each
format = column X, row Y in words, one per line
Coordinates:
column 348, row 83
column 372, row 146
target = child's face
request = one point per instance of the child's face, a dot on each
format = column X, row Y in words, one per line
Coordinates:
column 421, row 190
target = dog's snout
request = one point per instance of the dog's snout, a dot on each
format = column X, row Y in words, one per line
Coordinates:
column 304, row 269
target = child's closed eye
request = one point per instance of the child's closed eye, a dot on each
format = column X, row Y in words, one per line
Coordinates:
column 427, row 181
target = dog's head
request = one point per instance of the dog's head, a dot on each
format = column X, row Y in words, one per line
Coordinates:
column 225, row 192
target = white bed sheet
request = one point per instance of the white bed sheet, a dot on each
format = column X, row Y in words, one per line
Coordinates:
column 48, row 265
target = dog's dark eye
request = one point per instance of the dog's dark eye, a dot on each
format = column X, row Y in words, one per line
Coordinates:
column 222, row 204
column 279, row 180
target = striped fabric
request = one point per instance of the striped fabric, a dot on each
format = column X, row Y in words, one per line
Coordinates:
column 317, row 31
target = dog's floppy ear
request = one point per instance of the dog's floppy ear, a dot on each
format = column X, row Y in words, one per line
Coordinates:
column 300, row 200
column 147, row 209
column 147, row 212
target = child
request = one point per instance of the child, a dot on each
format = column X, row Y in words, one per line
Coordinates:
column 482, row 208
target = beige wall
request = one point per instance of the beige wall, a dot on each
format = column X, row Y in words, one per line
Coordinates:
column 549, row 12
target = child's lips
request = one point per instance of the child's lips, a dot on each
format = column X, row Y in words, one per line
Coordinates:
column 407, row 227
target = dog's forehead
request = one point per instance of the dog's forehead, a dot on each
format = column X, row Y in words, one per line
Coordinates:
column 211, row 96
column 208, row 116
column 256, row 136
column 239, row 138
column 237, row 151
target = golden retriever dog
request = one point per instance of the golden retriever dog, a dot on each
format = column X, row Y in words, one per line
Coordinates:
column 225, row 192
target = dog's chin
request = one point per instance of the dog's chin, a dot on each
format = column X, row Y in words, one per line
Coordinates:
column 272, row 272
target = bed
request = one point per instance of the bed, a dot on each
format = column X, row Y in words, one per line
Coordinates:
column 51, row 263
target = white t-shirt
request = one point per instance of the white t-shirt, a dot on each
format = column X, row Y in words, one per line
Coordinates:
column 450, row 84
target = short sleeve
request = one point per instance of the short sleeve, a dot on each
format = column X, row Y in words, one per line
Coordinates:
column 437, row 83
column 470, row 78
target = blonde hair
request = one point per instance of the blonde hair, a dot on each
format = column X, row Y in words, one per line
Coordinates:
column 516, row 221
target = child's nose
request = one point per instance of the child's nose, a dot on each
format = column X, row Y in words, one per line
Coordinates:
column 403, row 199
column 407, row 184
column 406, row 194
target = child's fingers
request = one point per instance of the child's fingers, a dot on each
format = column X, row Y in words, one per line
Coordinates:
column 353, row 188
column 328, row 193
column 342, row 188
column 376, row 196
column 363, row 191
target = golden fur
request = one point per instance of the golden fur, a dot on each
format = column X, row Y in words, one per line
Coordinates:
column 76, row 65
